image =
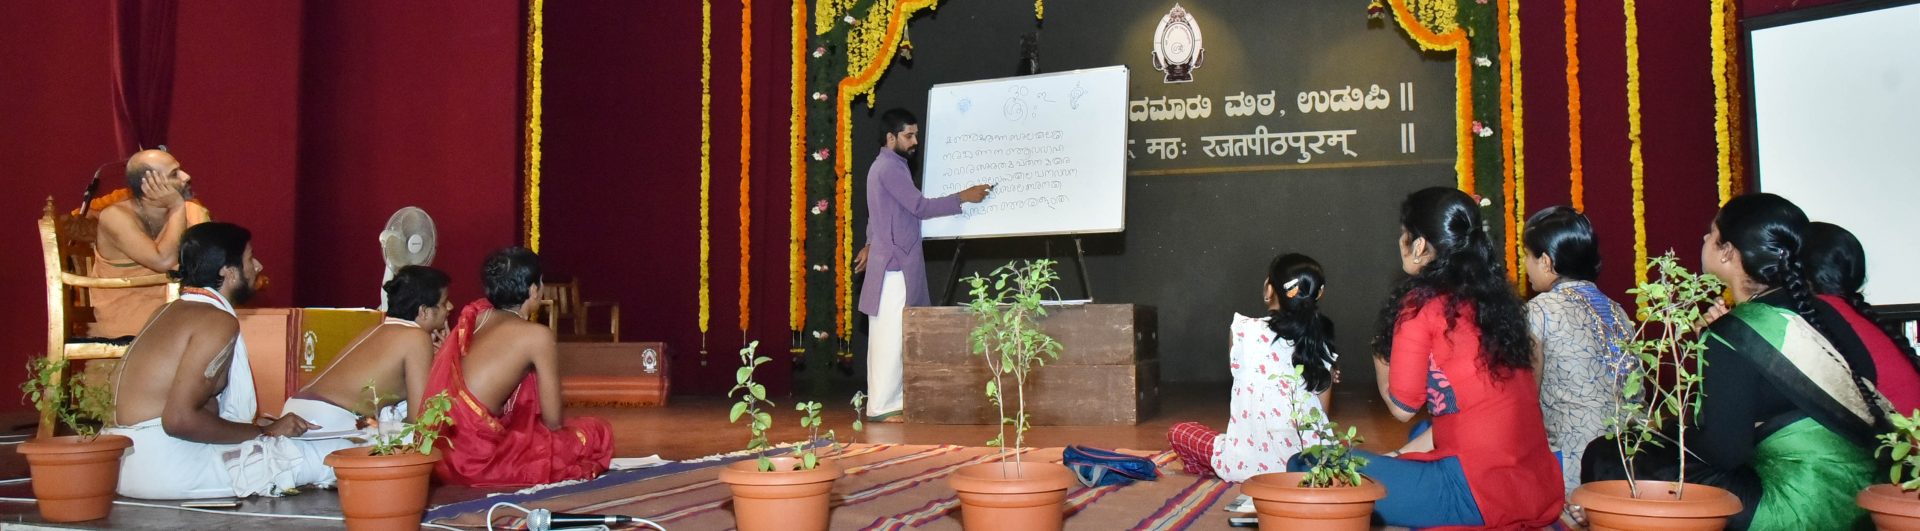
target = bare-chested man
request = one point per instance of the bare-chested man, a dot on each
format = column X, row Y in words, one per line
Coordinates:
column 184, row 393
column 503, row 374
column 138, row 237
column 393, row 357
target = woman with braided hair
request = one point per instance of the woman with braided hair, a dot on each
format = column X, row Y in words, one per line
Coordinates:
column 1836, row 268
column 1786, row 420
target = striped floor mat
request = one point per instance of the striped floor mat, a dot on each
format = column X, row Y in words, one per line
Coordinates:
column 887, row 487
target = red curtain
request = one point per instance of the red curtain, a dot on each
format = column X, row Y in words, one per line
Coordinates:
column 143, row 35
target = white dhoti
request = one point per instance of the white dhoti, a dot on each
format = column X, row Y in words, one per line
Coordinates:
column 329, row 417
column 884, row 335
column 160, row 466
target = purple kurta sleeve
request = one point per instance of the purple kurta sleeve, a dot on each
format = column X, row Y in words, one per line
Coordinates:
column 894, row 211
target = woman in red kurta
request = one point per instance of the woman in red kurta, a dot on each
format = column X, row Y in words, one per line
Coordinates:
column 1454, row 342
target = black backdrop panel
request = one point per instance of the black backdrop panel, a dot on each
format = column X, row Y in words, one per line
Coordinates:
column 1202, row 225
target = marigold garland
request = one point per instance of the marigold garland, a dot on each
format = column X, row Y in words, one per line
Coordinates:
column 746, row 161
column 1575, row 175
column 1635, row 161
column 1722, row 137
column 827, row 12
column 117, row 195
column 1449, row 37
column 706, row 161
column 796, row 158
column 100, row 203
column 536, row 55
column 1737, row 178
column 1516, row 153
column 873, row 52
column 1504, row 25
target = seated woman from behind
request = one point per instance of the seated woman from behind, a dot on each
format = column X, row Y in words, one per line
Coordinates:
column 1576, row 329
column 1282, row 368
column 1785, row 422
column 1836, row 269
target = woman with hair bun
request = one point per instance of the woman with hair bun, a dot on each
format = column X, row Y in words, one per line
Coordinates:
column 1453, row 342
column 1578, row 331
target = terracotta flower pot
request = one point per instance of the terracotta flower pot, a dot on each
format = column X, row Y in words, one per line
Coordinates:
column 785, row 498
column 1012, row 496
column 382, row 492
column 1892, row 508
column 74, row 479
column 1283, row 504
column 1610, row 505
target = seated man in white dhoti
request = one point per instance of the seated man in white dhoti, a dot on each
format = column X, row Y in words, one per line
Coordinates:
column 184, row 392
column 392, row 357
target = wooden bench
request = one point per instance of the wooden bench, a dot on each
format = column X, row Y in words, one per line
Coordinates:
column 614, row 374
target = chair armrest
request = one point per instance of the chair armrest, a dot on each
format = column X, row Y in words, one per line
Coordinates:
column 142, row 281
column 614, row 316
column 553, row 317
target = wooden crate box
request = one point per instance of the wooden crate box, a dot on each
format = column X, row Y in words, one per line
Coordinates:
column 1108, row 372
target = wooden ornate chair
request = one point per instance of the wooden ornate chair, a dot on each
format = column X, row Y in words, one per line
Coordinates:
column 66, row 244
column 560, row 300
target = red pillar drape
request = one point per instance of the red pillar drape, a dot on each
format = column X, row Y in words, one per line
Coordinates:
column 143, row 36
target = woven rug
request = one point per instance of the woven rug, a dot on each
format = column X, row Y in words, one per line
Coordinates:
column 886, row 487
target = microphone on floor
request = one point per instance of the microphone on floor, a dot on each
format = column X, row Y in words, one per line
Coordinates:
column 543, row 520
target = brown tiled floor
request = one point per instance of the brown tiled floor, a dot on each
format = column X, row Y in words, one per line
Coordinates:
column 697, row 426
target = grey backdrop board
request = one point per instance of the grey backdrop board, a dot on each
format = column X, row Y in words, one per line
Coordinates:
column 1201, row 226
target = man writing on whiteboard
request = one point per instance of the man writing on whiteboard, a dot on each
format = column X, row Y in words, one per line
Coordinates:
column 894, row 210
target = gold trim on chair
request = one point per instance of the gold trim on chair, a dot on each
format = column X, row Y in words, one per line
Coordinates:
column 57, row 233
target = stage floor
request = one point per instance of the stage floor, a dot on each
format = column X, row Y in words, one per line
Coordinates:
column 693, row 427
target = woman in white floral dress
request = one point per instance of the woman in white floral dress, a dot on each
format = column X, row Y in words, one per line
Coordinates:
column 1575, row 327
column 1283, row 366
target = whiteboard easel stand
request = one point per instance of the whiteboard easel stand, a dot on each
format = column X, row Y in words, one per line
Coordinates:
column 1079, row 262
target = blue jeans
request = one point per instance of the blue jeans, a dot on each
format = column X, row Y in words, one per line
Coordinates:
column 1419, row 493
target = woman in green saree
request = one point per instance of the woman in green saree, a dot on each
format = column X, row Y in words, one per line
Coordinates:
column 1786, row 421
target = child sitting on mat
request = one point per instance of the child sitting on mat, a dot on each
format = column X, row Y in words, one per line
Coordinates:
column 1268, row 391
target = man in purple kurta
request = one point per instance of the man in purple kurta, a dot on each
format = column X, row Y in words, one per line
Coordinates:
column 899, row 278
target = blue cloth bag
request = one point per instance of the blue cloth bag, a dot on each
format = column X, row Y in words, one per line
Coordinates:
column 1097, row 467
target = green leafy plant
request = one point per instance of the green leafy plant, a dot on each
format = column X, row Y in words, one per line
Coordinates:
column 1329, row 452
column 752, row 395
column 859, row 403
column 1332, row 461
column 1899, row 443
column 1665, row 344
column 81, row 406
column 809, row 419
column 418, row 436
column 1007, row 304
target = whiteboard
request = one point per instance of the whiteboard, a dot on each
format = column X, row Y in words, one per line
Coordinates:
column 1833, row 116
column 1053, row 145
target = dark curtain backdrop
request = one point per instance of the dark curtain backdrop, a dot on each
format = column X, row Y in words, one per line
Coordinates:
column 419, row 105
column 1676, row 106
column 621, row 181
column 143, row 54
column 307, row 122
